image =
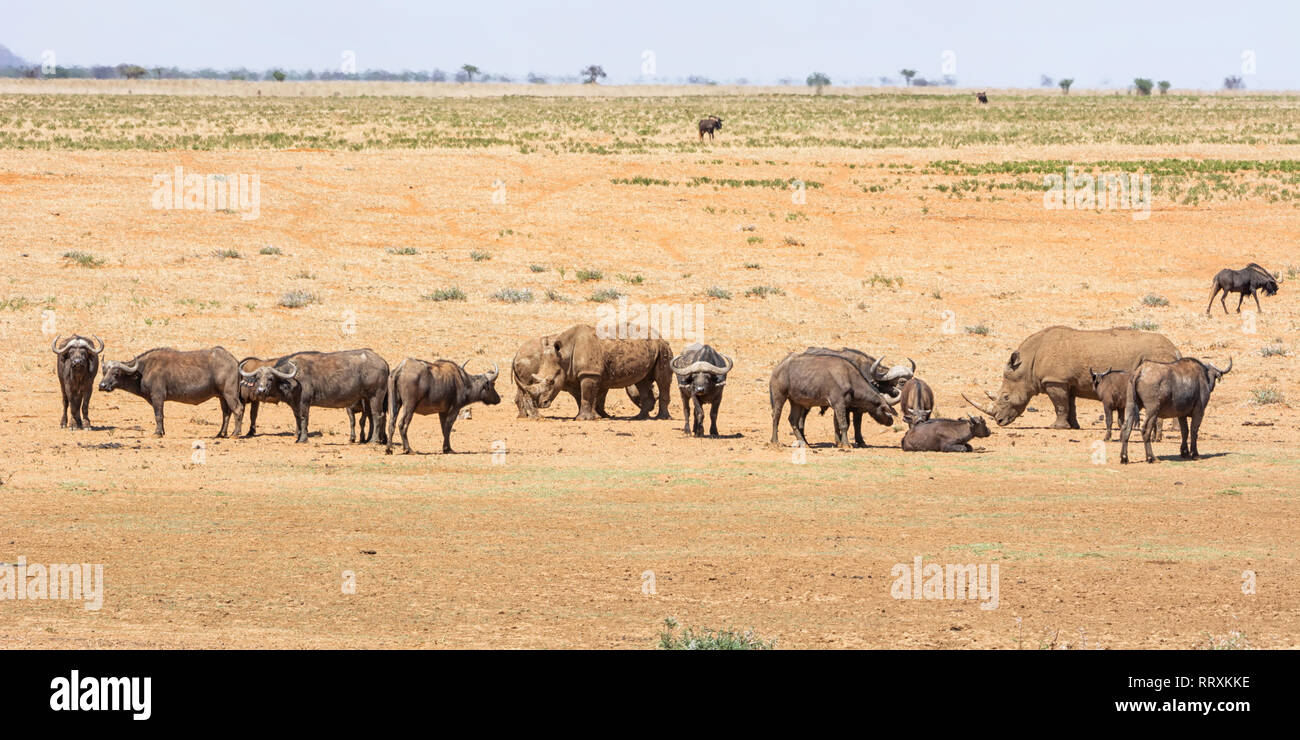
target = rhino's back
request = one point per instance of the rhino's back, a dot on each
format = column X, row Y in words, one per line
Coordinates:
column 1064, row 354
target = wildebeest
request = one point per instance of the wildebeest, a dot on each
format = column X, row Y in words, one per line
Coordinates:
column 526, row 363
column 809, row 380
column 945, row 435
column 579, row 357
column 701, row 374
column 886, row 380
column 353, row 380
column 1111, row 388
column 982, row 97
column 77, row 365
column 165, row 374
column 441, row 387
column 1245, row 281
column 917, row 402
column 1170, row 390
column 1056, row 361
column 708, row 125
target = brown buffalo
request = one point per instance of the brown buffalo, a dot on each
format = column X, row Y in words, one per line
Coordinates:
column 944, row 435
column 814, row 380
column 701, row 374
column 351, row 380
column 1111, row 388
column 261, row 381
column 166, row 374
column 1170, row 390
column 77, row 366
column 441, row 387
column 917, row 403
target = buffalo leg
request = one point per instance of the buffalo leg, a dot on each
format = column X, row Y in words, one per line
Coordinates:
column 236, row 405
column 404, row 423
column 777, row 405
column 957, row 447
column 447, row 418
column 85, row 411
column 1184, row 449
column 796, row 417
column 841, row 427
column 1107, row 411
column 75, row 403
column 225, row 417
column 64, row 421
column 858, row 441
column 157, row 403
column 698, row 406
column 352, row 425
column 686, row 403
column 378, row 410
column 302, row 415
column 252, row 418
column 1062, row 401
column 713, row 416
column 1149, row 433
column 1197, row 416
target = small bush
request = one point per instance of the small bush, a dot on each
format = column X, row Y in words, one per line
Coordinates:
column 297, row 299
column 537, row 268
column 605, row 296
column 716, row 292
column 270, row 250
column 1266, row 396
column 1145, row 325
column 752, row 266
column 513, row 295
column 707, row 639
column 228, row 254
column 555, row 297
column 445, row 294
column 763, row 291
column 588, row 275
column 883, row 280
column 631, row 279
column 981, row 329
column 85, row 259
column 402, row 250
column 1274, row 351
column 479, row 256
column 1154, row 300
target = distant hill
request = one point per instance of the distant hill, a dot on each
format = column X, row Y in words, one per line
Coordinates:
column 10, row 59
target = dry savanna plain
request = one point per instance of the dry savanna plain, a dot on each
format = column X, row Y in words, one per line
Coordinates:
column 912, row 226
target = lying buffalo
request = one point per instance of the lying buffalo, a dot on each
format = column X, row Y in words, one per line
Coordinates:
column 166, row 374
column 353, row 380
column 1246, row 282
column 579, row 357
column 441, row 387
column 77, row 365
column 887, row 381
column 944, row 435
column 528, row 360
column 701, row 374
column 917, row 403
column 262, row 381
column 813, row 380
column 1170, row 390
column 1057, row 361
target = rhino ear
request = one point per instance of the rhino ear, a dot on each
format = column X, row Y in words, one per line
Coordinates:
column 1014, row 361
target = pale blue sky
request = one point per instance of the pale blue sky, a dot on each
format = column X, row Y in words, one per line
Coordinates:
column 1192, row 43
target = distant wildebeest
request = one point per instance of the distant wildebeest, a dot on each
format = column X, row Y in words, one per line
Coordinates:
column 701, row 374
column 945, row 435
column 815, row 380
column 352, row 380
column 917, row 403
column 77, row 366
column 887, row 381
column 441, row 387
column 709, row 125
column 192, row 377
column 1111, row 388
column 526, row 363
column 1170, row 390
column 982, row 97
column 261, row 381
column 580, row 358
column 1057, row 360
column 1246, row 282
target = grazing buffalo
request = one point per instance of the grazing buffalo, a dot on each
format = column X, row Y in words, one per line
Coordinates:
column 917, row 404
column 945, row 435
column 77, row 366
column 701, row 374
column 809, row 380
column 528, row 360
column 1246, row 281
column 1057, row 360
column 1111, row 388
column 166, row 374
column 887, row 381
column 579, row 357
column 709, row 125
column 354, row 380
column 1170, row 390
column 441, row 387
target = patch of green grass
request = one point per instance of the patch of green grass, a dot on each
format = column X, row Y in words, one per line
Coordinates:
column 763, row 291
column 980, row 329
column 885, row 281
column 584, row 276
column 1265, row 396
column 228, row 254
column 716, row 292
column 755, row 240
column 479, row 255
column 707, row 639
column 1145, row 325
column 631, row 279
column 84, row 259
column 445, row 294
column 537, row 268
column 605, row 296
column 513, row 295
column 270, row 250
column 402, row 250
column 1274, row 351
column 14, row 304
column 1154, row 300
column 298, row 299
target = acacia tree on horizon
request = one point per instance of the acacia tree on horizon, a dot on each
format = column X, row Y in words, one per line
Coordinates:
column 469, row 70
column 591, row 73
column 1065, row 85
column 907, row 74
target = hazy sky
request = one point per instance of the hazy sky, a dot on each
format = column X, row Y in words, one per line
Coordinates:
column 1192, row 43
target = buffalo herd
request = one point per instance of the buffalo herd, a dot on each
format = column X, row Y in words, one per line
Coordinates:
column 1133, row 373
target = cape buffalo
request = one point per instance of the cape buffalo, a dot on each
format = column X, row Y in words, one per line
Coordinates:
column 944, row 435
column 808, row 380
column 1056, row 361
column 1111, row 388
column 166, row 374
column 442, row 387
column 1170, row 390
column 261, row 381
column 1245, row 281
column 709, row 125
column 352, row 379
column 701, row 374
column 579, row 357
column 526, row 363
column 887, row 381
column 917, row 404
column 77, row 366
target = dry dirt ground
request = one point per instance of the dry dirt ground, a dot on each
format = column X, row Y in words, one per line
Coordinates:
column 550, row 544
